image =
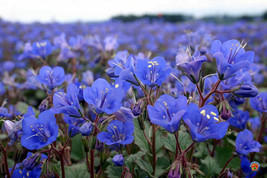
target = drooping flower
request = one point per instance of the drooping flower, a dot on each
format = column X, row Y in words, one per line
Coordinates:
column 42, row 49
column 51, row 77
column 103, row 97
column 152, row 72
column 245, row 144
column 67, row 103
column 259, row 103
column 239, row 120
column 191, row 64
column 230, row 57
column 40, row 132
column 118, row 160
column 118, row 133
column 255, row 123
column 203, row 123
column 167, row 112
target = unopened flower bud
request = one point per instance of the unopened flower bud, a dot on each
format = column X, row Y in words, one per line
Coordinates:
column 245, row 91
column 31, row 162
column 86, row 129
column 118, row 160
column 43, row 106
column 175, row 170
column 8, row 126
column 225, row 110
column 99, row 146
column 138, row 107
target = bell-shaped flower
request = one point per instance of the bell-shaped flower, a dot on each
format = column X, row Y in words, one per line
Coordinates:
column 51, row 77
column 191, row 64
column 239, row 120
column 152, row 72
column 245, row 144
column 167, row 112
column 42, row 49
column 102, row 97
column 40, row 132
column 118, row 160
column 259, row 103
column 230, row 57
column 118, row 133
column 203, row 123
column 67, row 103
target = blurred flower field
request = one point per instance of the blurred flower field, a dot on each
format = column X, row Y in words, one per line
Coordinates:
column 136, row 99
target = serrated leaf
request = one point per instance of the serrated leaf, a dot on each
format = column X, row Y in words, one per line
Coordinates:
column 169, row 142
column 201, row 150
column 184, row 139
column 131, row 158
column 210, row 167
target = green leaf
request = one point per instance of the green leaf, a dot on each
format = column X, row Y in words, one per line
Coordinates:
column 144, row 166
column 169, row 142
column 77, row 152
column 23, row 107
column 77, row 171
column 210, row 167
column 139, row 138
column 223, row 154
column 184, row 138
column 159, row 144
column 201, row 150
column 163, row 166
column 114, row 171
column 133, row 157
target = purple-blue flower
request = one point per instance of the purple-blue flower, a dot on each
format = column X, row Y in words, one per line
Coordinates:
column 239, row 120
column 51, row 77
column 245, row 144
column 259, row 103
column 167, row 112
column 245, row 165
column 86, row 129
column 245, row 91
column 118, row 133
column 67, row 103
column 39, row 132
column 4, row 112
column 152, row 72
column 118, row 160
column 191, row 64
column 103, row 97
column 42, row 49
column 204, row 123
column 255, row 123
column 74, row 124
column 230, row 57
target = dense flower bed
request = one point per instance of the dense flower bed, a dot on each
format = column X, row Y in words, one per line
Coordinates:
column 139, row 99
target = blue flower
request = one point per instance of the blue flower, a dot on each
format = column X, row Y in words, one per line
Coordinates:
column 67, row 103
column 51, row 77
column 86, row 129
column 118, row 160
column 245, row 165
column 203, row 123
column 118, row 133
column 259, row 103
column 21, row 171
column 152, row 72
column 103, row 97
column 39, row 132
column 245, row 144
column 120, row 62
column 239, row 120
column 74, row 124
column 255, row 123
column 245, row 91
column 4, row 112
column 230, row 57
column 42, row 49
column 191, row 65
column 167, row 112
column 2, row 89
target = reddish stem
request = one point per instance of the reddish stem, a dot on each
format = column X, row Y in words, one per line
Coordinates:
column 5, row 160
column 92, row 151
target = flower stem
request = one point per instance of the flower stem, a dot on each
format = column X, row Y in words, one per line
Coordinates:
column 5, row 160
column 200, row 93
column 230, row 159
column 178, row 147
column 92, row 151
column 154, row 161
column 149, row 142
